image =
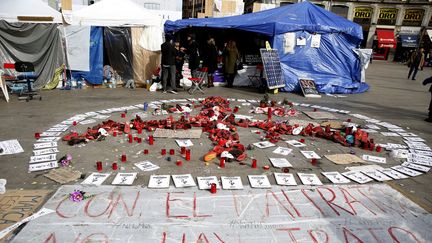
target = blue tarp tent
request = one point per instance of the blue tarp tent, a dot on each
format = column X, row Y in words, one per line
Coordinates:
column 334, row 66
column 95, row 75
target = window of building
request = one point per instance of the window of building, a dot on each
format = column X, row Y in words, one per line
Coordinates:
column 340, row 10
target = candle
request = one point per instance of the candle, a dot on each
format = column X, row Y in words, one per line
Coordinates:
column 188, row 154
column 269, row 113
column 139, row 140
column 378, row 149
column 302, row 140
column 114, row 166
column 179, row 163
column 115, row 134
column 236, row 109
column 314, row 161
column 163, row 151
column 183, row 150
column 123, row 158
column 254, row 163
column 222, row 162
column 37, row 135
column 151, row 140
column 99, row 165
column 146, row 151
column 171, row 152
column 74, row 123
column 123, row 115
column 213, row 188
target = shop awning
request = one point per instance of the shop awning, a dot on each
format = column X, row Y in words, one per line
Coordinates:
column 409, row 40
column 386, row 39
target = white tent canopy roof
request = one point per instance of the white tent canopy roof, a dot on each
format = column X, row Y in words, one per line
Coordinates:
column 115, row 13
column 11, row 9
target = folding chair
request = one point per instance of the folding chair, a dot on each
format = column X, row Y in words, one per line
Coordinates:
column 198, row 81
column 256, row 78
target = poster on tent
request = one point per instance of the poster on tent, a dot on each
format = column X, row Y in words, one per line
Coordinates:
column 290, row 42
column 272, row 67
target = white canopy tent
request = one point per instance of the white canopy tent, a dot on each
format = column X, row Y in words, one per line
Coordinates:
column 117, row 13
column 30, row 11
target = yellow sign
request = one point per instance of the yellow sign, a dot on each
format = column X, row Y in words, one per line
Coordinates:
column 413, row 17
column 363, row 13
column 388, row 13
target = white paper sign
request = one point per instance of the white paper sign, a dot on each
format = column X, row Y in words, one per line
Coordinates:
column 44, row 145
column 50, row 134
column 89, row 121
column 414, row 139
column 335, row 177
column 390, row 134
column 375, row 159
column 231, row 183
column 57, row 129
column 3, row 186
column 301, row 41
column 316, row 41
column 310, row 155
column 420, row 162
column 372, row 126
column 48, row 139
column 420, row 157
column 159, row 181
column 45, row 151
column 309, row 179
column 289, row 42
column 406, row 171
column 96, row 178
column 408, row 134
column 43, row 166
column 101, row 117
column 264, row 144
column 42, row 212
column 280, row 162
column 146, row 166
column 296, row 143
column 421, row 152
column 185, row 180
column 124, row 178
column 393, row 174
column 416, row 167
column 377, row 175
column 285, row 179
column 204, row 183
column 282, row 151
column 184, row 143
column 42, row 158
column 11, row 147
column 259, row 181
column 357, row 176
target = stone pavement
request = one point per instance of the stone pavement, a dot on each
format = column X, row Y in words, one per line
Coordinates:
column 392, row 98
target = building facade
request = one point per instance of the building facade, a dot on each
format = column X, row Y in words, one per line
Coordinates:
column 391, row 28
column 212, row 8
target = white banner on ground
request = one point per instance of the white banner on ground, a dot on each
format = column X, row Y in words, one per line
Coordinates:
column 348, row 213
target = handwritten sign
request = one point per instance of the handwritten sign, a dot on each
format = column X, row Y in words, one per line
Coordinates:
column 336, row 177
column 11, row 147
column 264, row 144
column 285, row 179
column 159, row 181
column 42, row 158
column 259, row 181
column 124, row 178
column 375, row 159
column 44, row 145
column 282, row 151
column 43, row 166
column 280, row 162
column 204, row 183
column 146, row 166
column 185, row 180
column 45, row 151
column 295, row 143
column 310, row 155
column 231, row 183
column 96, row 179
column 48, row 139
column 279, row 214
column 309, row 179
column 357, row 176
column 309, row 88
column 406, row 170
column 393, row 174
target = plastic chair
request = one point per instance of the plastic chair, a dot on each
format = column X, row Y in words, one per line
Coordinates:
column 23, row 82
column 256, row 78
column 198, row 81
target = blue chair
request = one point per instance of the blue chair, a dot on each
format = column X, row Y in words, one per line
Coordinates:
column 23, row 82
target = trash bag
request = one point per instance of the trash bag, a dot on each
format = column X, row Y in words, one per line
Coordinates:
column 154, row 87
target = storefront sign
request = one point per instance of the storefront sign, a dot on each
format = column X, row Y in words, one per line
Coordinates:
column 362, row 15
column 387, row 16
column 413, row 17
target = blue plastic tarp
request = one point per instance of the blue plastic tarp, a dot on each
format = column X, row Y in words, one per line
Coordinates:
column 333, row 66
column 95, row 75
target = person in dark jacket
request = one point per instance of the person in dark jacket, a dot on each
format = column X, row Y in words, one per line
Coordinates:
column 193, row 52
column 210, row 60
column 425, row 82
column 417, row 60
column 179, row 63
column 168, row 65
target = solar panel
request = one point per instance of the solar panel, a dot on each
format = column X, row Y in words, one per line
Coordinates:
column 273, row 71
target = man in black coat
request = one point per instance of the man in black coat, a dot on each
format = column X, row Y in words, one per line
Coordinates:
column 168, row 65
column 193, row 52
column 425, row 82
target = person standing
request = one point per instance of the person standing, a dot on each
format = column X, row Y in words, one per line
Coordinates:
column 231, row 55
column 179, row 61
column 168, row 65
column 416, row 62
column 210, row 60
column 425, row 82
column 193, row 52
